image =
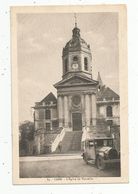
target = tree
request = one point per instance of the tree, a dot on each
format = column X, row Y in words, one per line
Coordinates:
column 26, row 135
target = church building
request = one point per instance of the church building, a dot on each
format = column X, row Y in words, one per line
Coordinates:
column 81, row 102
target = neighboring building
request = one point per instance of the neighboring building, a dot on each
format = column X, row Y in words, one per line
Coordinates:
column 108, row 104
column 81, row 102
column 45, row 115
column 46, row 124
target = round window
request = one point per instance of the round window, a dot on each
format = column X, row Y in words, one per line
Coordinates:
column 76, row 100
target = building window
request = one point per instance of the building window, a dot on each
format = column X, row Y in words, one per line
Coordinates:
column 54, row 113
column 41, row 114
column 47, row 126
column 109, row 122
column 109, row 112
column 85, row 64
column 54, row 124
column 66, row 65
column 75, row 58
column 48, row 114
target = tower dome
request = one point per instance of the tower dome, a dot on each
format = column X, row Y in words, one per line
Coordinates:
column 76, row 43
column 76, row 56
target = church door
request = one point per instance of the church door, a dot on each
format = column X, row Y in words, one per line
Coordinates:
column 77, row 121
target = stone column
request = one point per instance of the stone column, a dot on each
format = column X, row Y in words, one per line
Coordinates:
column 87, row 109
column 60, row 111
column 66, row 111
column 93, row 103
column 69, row 112
column 83, row 109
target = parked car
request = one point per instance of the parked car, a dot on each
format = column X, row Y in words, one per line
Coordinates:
column 100, row 151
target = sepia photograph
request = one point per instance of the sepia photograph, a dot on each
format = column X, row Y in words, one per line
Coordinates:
column 69, row 94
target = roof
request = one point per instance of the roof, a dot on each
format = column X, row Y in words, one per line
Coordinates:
column 76, row 80
column 95, row 135
column 50, row 97
column 98, row 135
column 106, row 93
column 76, row 43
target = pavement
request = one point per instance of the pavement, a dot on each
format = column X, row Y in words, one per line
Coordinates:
column 62, row 165
column 70, row 156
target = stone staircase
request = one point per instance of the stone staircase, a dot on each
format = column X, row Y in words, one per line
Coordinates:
column 76, row 141
column 71, row 142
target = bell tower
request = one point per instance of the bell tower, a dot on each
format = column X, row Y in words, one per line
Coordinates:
column 76, row 92
column 76, row 56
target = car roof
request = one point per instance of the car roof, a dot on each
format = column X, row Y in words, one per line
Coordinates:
column 102, row 138
column 96, row 136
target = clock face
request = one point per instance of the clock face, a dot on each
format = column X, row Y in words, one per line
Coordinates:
column 75, row 66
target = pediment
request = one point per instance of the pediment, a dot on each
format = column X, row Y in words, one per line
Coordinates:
column 75, row 80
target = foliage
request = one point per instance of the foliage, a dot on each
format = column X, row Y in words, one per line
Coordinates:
column 26, row 131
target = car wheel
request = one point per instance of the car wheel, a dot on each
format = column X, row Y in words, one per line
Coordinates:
column 100, row 163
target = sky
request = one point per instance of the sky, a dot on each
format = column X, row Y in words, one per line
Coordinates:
column 40, row 40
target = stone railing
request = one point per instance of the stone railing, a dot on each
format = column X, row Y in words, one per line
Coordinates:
column 43, row 130
column 53, row 131
column 57, row 140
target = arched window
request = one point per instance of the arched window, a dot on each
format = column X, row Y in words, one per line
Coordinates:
column 75, row 58
column 66, row 65
column 109, row 112
column 85, row 64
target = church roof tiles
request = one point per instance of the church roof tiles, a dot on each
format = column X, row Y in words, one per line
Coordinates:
column 49, row 98
column 106, row 93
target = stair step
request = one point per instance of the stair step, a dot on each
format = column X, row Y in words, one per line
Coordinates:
column 71, row 141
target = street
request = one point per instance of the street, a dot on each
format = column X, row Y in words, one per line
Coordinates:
column 62, row 166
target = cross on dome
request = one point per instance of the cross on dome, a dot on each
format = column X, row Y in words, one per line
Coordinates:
column 75, row 17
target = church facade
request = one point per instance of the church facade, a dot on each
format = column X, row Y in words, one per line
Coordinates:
column 81, row 102
column 76, row 92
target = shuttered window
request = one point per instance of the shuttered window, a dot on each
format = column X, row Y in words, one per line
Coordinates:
column 41, row 114
column 85, row 64
column 48, row 114
column 109, row 112
column 48, row 126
